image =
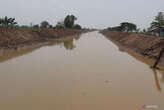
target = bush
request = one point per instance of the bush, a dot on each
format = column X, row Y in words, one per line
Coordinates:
column 44, row 24
column 60, row 25
column 77, row 26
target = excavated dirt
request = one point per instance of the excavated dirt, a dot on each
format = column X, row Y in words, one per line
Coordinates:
column 145, row 45
column 16, row 39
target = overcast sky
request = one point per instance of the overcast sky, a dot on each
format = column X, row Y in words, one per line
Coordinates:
column 90, row 13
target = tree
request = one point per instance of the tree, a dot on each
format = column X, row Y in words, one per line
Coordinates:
column 77, row 26
column 50, row 26
column 60, row 24
column 1, row 21
column 7, row 22
column 36, row 26
column 128, row 27
column 44, row 24
column 124, row 27
column 138, row 30
column 144, row 30
column 69, row 21
column 158, row 22
column 116, row 28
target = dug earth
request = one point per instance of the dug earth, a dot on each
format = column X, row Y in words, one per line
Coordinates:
column 145, row 45
column 16, row 39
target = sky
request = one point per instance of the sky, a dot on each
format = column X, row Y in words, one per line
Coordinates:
column 90, row 13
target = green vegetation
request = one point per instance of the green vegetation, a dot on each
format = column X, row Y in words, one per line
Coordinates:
column 124, row 27
column 128, row 27
column 116, row 28
column 7, row 22
column 68, row 22
column 69, row 45
column 10, row 23
column 44, row 24
column 158, row 22
column 60, row 25
column 156, row 27
column 77, row 26
column 32, row 28
column 36, row 26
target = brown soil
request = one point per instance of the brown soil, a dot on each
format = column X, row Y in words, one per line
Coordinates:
column 14, row 39
column 145, row 45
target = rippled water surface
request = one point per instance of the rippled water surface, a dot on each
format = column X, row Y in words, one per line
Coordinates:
column 87, row 72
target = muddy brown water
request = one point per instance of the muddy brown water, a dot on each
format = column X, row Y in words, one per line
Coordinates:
column 85, row 73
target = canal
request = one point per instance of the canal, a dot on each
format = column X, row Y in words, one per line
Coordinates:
column 86, row 72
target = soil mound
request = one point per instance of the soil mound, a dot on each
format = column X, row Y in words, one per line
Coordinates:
column 146, row 45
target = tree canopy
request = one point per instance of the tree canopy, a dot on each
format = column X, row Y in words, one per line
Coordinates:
column 158, row 21
column 69, row 21
column 7, row 22
column 44, row 24
column 128, row 27
column 116, row 28
column 77, row 26
column 60, row 25
column 124, row 27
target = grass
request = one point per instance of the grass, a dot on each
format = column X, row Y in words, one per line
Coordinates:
column 31, row 28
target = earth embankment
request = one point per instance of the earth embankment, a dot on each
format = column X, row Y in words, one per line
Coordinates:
column 146, row 45
column 11, row 39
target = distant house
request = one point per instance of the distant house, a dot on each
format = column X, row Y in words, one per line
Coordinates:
column 158, row 31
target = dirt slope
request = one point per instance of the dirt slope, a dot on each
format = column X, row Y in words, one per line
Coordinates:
column 145, row 45
column 15, row 38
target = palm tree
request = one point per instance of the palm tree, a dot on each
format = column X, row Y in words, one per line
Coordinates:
column 158, row 23
column 6, row 22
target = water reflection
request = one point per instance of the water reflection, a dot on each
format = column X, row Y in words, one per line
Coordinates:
column 6, row 57
column 162, row 73
column 156, row 79
column 156, row 72
column 67, row 43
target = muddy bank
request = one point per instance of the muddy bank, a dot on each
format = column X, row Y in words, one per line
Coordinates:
column 67, row 43
column 144, row 45
column 12, row 40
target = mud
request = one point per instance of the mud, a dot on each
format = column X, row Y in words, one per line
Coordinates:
column 144, row 45
column 13, row 40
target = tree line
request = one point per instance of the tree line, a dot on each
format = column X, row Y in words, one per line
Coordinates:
column 124, row 27
column 131, row 27
column 68, row 22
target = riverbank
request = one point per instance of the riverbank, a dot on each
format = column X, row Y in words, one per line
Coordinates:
column 13, row 40
column 145, row 45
